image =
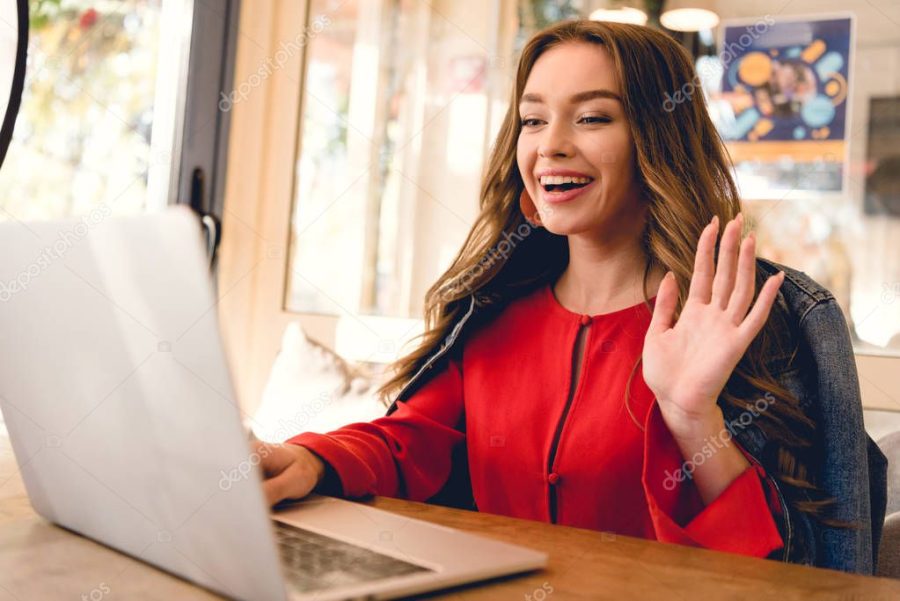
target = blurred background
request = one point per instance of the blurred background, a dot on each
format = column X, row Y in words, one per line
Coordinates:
column 340, row 145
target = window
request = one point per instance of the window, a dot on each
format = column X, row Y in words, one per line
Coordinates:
column 390, row 143
column 98, row 116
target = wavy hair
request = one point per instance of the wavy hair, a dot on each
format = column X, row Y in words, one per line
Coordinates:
column 684, row 173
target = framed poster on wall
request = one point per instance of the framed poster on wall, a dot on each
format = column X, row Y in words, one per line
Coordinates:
column 782, row 104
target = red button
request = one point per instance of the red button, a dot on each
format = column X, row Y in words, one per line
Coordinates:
column 553, row 478
column 585, row 319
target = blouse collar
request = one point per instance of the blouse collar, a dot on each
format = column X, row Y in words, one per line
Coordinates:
column 634, row 311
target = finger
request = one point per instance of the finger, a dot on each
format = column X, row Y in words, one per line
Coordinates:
column 286, row 485
column 745, row 282
column 273, row 458
column 664, row 307
column 723, row 284
column 701, row 279
column 259, row 446
column 758, row 315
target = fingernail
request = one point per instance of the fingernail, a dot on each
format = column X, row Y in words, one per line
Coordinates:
column 715, row 220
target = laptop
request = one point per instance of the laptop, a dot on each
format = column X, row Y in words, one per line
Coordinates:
column 118, row 401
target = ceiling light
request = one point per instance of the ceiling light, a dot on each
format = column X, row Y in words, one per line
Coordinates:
column 620, row 15
column 689, row 15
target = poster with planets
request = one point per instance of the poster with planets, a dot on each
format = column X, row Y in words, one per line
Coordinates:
column 782, row 103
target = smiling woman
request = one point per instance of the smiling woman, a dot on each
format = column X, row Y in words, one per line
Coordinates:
column 608, row 370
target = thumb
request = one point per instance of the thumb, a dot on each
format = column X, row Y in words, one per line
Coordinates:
column 664, row 308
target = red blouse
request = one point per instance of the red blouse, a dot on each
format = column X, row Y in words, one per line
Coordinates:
column 532, row 455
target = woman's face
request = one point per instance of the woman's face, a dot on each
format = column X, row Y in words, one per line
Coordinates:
column 573, row 120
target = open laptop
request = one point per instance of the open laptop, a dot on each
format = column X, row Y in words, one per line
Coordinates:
column 118, row 401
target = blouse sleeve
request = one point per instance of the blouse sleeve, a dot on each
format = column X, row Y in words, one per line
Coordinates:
column 739, row 520
column 406, row 454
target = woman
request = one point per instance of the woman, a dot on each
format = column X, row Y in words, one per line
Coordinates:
column 588, row 359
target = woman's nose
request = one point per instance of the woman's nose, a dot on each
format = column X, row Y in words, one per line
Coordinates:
column 555, row 142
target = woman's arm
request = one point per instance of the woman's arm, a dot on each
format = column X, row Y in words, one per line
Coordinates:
column 714, row 460
column 406, row 454
column 686, row 365
column 741, row 518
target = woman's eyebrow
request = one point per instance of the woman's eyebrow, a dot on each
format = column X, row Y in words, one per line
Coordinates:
column 579, row 97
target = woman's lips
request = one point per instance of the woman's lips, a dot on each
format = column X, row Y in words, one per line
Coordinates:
column 558, row 197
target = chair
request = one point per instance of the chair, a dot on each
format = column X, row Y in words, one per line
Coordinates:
column 889, row 549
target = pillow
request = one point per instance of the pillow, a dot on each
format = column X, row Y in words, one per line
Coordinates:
column 312, row 389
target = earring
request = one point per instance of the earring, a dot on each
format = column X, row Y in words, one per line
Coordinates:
column 528, row 209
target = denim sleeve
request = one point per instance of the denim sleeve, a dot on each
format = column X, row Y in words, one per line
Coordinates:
column 844, row 475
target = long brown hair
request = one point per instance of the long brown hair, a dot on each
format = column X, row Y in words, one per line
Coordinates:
column 684, row 172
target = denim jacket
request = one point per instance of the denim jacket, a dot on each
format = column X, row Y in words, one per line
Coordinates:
column 818, row 366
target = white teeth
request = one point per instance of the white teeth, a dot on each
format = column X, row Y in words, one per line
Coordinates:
column 563, row 179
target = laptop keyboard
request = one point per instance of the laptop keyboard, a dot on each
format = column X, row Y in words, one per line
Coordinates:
column 313, row 562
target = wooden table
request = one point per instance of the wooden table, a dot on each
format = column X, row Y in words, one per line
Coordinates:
column 44, row 562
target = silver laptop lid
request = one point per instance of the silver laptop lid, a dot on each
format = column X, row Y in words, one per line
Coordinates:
column 118, row 400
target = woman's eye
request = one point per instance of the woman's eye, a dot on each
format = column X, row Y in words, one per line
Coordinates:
column 534, row 122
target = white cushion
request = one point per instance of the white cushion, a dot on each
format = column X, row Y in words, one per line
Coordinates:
column 311, row 389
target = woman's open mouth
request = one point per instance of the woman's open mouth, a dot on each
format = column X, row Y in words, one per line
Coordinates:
column 565, row 188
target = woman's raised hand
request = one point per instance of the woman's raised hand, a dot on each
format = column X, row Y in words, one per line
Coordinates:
column 687, row 364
